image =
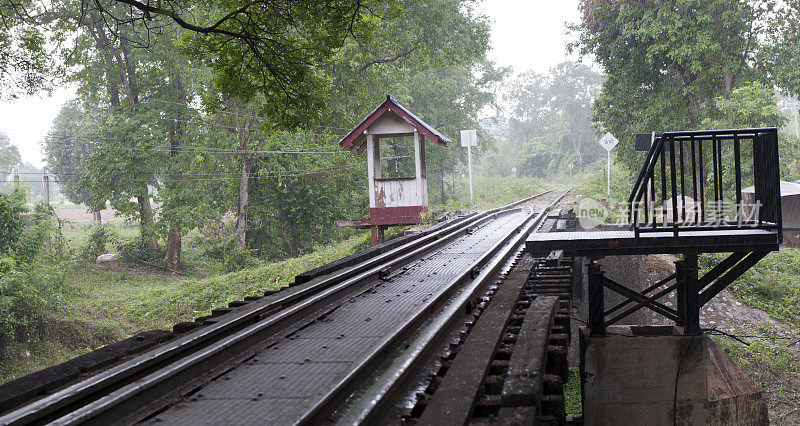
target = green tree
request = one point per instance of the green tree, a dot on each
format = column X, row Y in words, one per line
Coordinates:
column 782, row 54
column 666, row 63
column 550, row 124
column 67, row 148
column 432, row 58
column 26, row 63
column 750, row 105
column 270, row 47
column 9, row 156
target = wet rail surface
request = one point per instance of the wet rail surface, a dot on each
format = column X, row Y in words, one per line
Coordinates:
column 285, row 379
column 300, row 356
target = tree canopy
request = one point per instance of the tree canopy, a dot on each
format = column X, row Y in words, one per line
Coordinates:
column 666, row 64
column 177, row 125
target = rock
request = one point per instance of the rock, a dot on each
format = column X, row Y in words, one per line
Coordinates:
column 108, row 259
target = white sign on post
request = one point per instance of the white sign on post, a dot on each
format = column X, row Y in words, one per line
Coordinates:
column 469, row 138
column 608, row 141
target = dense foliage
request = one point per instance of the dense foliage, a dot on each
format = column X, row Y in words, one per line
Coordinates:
column 675, row 66
column 180, row 122
column 29, row 287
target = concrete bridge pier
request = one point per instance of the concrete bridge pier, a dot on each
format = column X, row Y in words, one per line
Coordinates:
column 628, row 377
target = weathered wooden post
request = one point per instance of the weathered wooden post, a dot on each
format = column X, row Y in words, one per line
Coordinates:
column 46, row 189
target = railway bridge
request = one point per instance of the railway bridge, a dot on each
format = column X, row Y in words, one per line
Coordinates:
column 468, row 322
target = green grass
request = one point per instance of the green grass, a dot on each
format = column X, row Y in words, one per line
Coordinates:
column 100, row 305
column 775, row 367
column 592, row 183
column 133, row 302
column 572, row 392
column 772, row 285
column 489, row 191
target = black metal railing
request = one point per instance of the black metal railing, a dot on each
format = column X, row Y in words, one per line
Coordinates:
column 698, row 178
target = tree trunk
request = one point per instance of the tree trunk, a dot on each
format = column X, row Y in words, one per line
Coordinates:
column 729, row 79
column 96, row 216
column 441, row 173
column 242, row 125
column 173, row 255
column 244, row 202
column 576, row 145
column 146, row 222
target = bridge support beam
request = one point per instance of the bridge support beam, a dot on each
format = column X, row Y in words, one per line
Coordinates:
column 597, row 310
column 688, row 294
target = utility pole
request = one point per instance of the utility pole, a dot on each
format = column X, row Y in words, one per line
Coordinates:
column 794, row 111
column 469, row 138
column 46, row 188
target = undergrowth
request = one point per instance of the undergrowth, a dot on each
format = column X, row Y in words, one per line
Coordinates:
column 108, row 304
column 774, row 366
column 771, row 285
column 572, row 392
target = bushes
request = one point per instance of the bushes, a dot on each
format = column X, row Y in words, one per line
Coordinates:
column 27, row 291
column 215, row 248
column 98, row 239
column 28, row 285
column 12, row 223
column 136, row 250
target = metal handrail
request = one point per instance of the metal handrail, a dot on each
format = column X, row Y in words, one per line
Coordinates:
column 679, row 152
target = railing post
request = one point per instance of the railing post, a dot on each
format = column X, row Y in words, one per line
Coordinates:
column 680, row 292
column 767, row 179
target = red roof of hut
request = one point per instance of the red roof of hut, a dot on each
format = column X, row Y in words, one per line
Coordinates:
column 356, row 139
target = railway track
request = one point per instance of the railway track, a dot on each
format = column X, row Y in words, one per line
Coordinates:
column 343, row 346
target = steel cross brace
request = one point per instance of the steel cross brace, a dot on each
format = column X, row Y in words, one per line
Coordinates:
column 642, row 299
column 692, row 291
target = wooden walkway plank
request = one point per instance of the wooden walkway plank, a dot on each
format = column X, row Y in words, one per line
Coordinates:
column 524, row 380
column 454, row 398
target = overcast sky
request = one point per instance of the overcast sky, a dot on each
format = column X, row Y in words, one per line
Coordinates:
column 526, row 34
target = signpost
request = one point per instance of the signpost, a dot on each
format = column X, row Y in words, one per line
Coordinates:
column 469, row 138
column 608, row 141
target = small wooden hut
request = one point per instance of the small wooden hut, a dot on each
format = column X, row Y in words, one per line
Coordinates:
column 398, row 194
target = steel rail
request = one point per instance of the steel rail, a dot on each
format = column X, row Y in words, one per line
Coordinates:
column 305, row 301
column 378, row 399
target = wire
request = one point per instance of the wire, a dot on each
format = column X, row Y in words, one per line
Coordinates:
column 196, row 148
column 717, row 332
column 747, row 336
column 201, row 179
column 580, row 321
column 237, row 114
column 678, row 375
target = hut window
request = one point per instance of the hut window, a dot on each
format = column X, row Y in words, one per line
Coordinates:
column 397, row 157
